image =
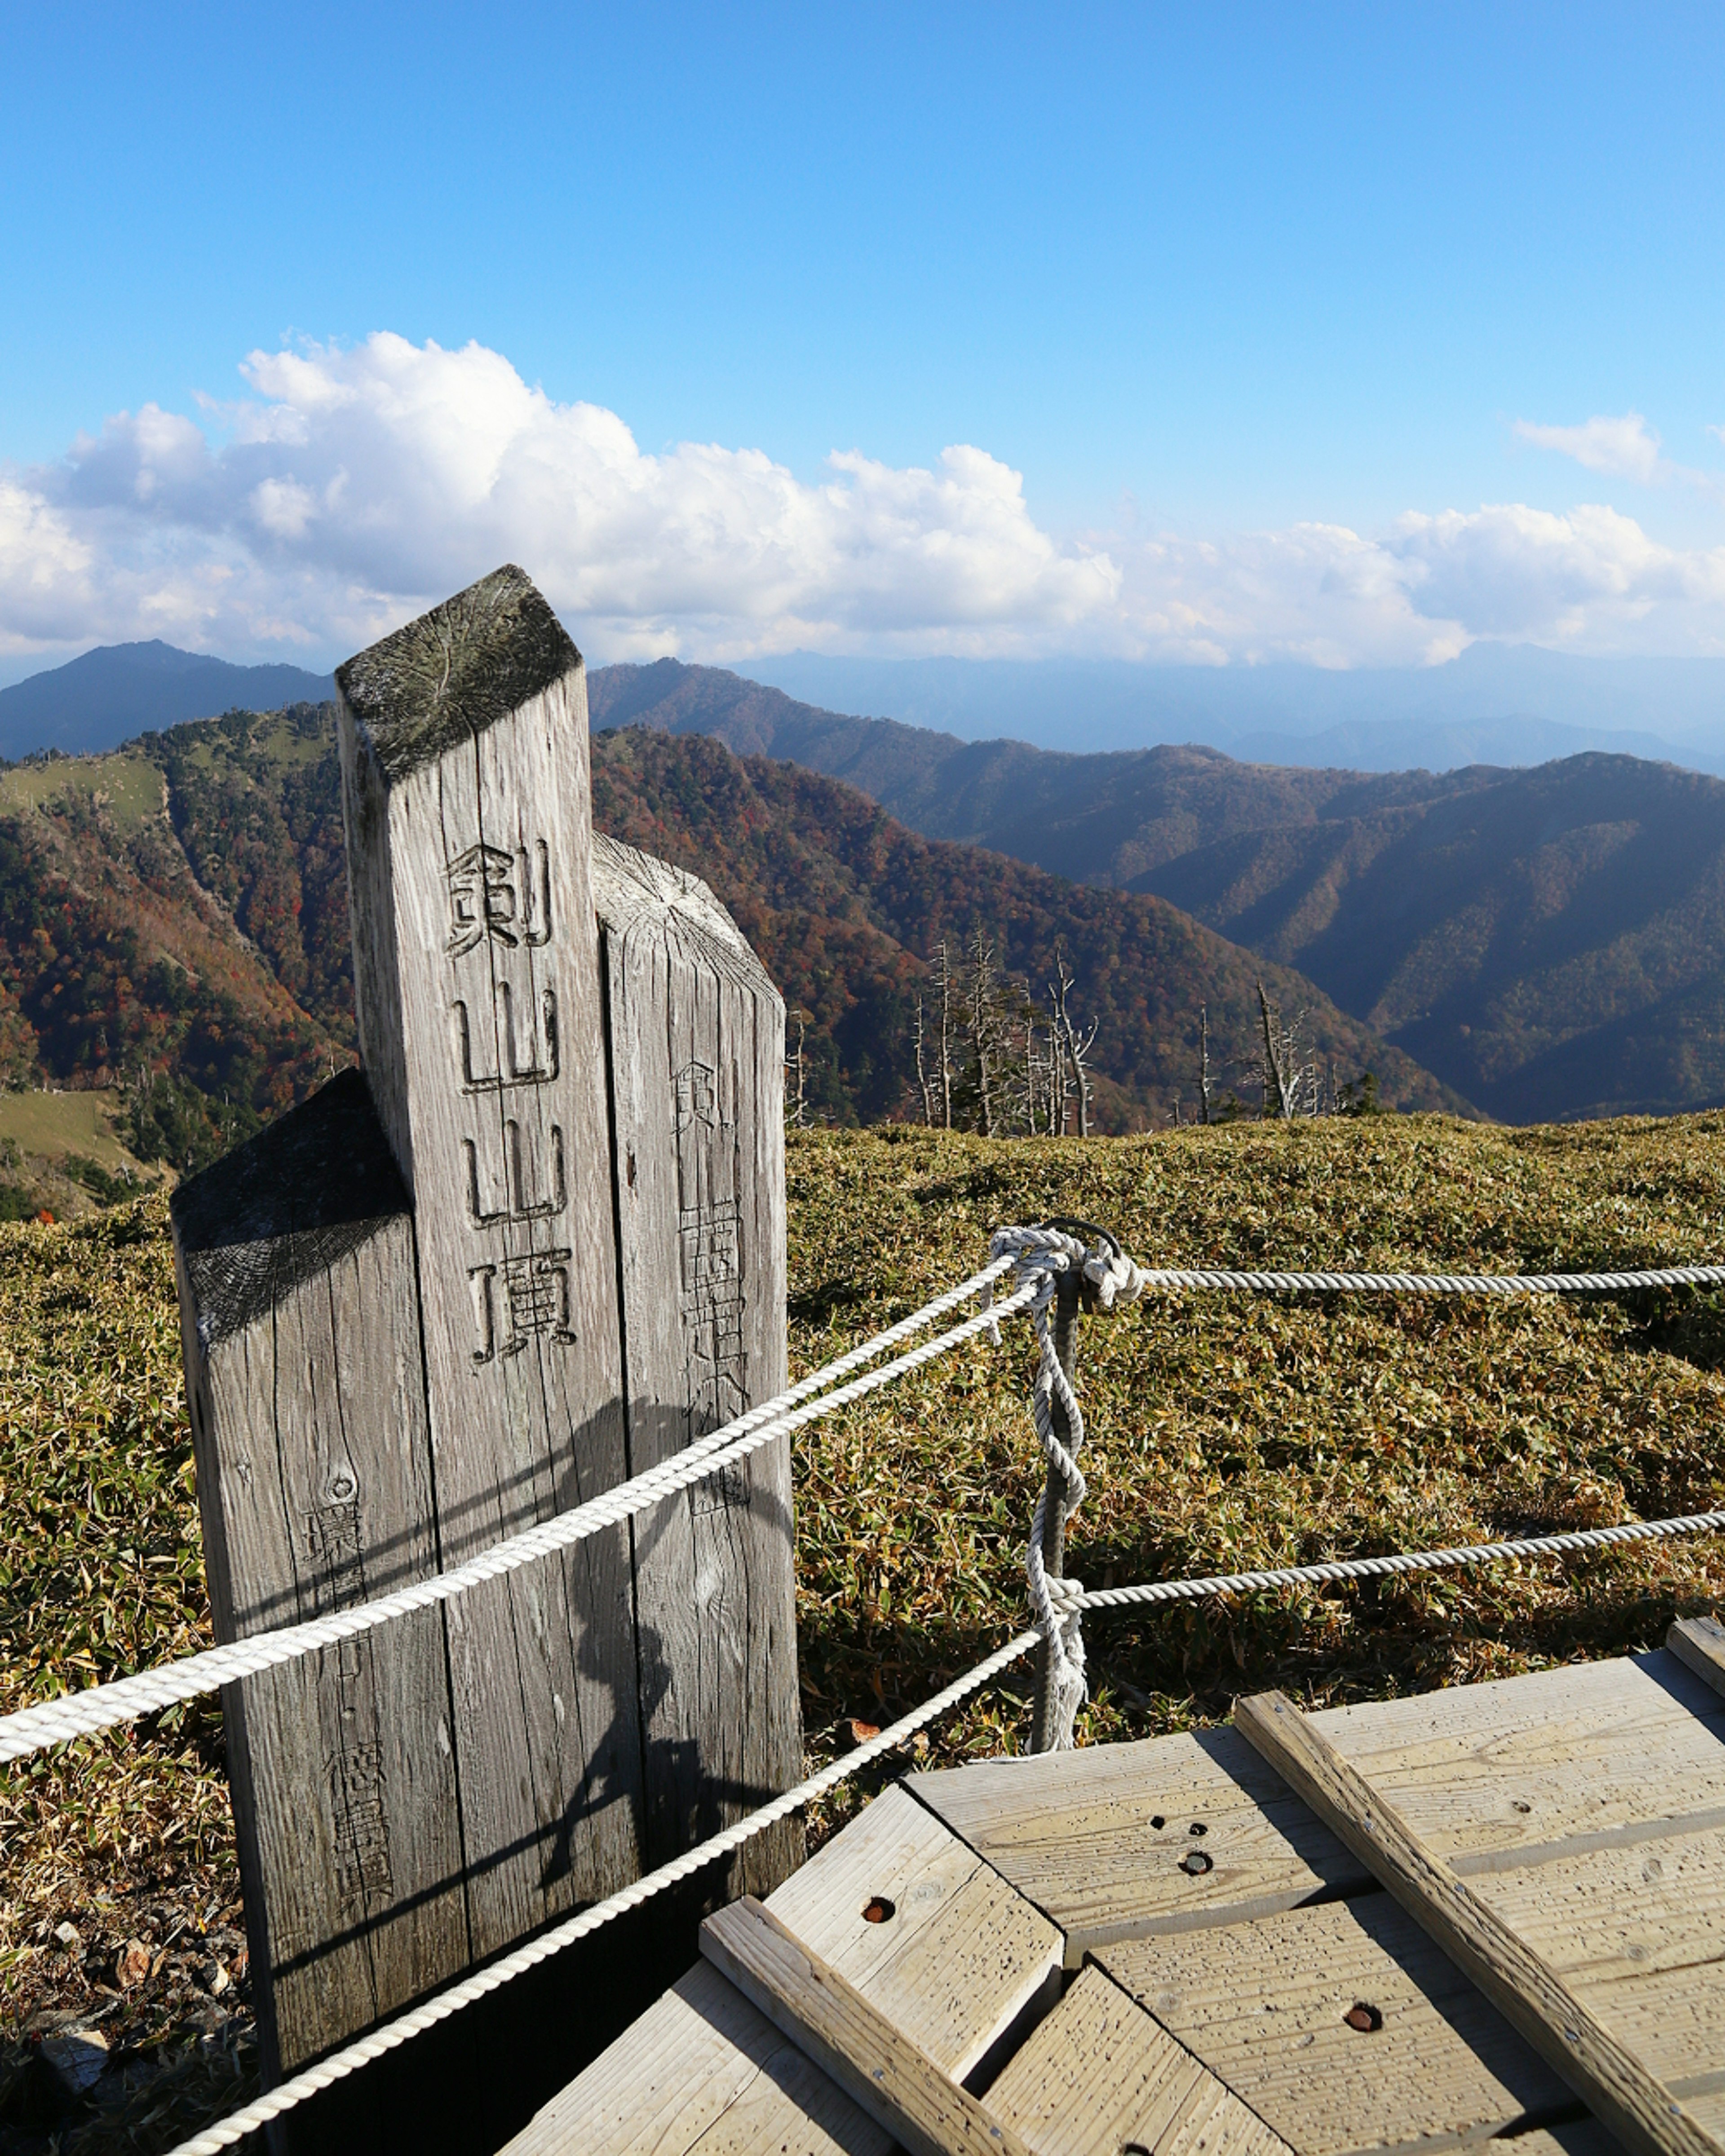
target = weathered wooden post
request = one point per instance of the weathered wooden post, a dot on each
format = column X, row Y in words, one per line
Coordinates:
column 697, row 1077
column 476, row 980
column 301, row 1327
column 539, row 1246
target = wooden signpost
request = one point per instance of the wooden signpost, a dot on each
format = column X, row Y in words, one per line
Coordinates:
column 696, row 1038
column 537, row 1248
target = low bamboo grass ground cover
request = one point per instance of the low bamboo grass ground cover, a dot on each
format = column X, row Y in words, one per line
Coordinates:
column 1226, row 1432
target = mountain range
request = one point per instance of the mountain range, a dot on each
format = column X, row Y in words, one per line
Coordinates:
column 173, row 919
column 1548, row 942
column 1533, row 943
column 107, row 696
column 1509, row 704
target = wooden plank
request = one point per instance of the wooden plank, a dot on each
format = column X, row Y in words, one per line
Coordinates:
column 295, row 1259
column 1615, row 2085
column 1103, row 1839
column 696, row 1041
column 1638, row 1934
column 464, row 790
column 1100, row 2075
column 702, row 2073
column 1529, row 1767
column 831, row 2023
column 1699, row 1642
column 1505, row 1773
column 961, row 1956
column 1263, row 2005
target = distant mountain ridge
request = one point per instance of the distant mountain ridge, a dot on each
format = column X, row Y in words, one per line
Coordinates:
column 1514, row 704
column 181, row 907
column 1551, row 942
column 110, row 695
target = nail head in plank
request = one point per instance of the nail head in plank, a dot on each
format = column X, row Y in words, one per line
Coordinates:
column 1099, row 2075
column 300, row 1331
column 1699, row 1642
column 960, row 1956
column 696, row 1036
column 1264, row 2005
column 702, row 2073
column 1616, row 2085
column 831, row 2022
column 476, row 980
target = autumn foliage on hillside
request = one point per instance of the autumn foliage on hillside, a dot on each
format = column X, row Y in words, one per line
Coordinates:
column 847, row 908
column 200, row 951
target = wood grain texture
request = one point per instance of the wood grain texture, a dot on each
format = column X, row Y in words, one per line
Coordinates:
column 702, row 2073
column 465, row 785
column 1616, row 2085
column 1099, row 1838
column 1502, row 1774
column 695, row 1032
column 1699, row 1642
column 1263, row 2005
column 1638, row 1933
column 832, row 2023
column 1100, row 2075
column 1494, row 1776
column 961, row 1958
column 294, row 1259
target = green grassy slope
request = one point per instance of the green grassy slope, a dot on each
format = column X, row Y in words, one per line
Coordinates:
column 1224, row 1432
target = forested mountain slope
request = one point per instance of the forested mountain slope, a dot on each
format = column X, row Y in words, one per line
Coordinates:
column 180, row 908
column 1550, row 942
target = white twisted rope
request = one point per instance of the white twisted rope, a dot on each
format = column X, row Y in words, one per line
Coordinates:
column 1378, row 1567
column 126, row 1699
column 291, row 2093
column 1040, row 1255
column 396, row 2032
column 1436, row 1283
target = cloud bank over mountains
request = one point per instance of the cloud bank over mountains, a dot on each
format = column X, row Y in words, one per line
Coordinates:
column 356, row 484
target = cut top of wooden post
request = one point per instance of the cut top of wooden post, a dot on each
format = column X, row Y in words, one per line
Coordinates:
column 456, row 670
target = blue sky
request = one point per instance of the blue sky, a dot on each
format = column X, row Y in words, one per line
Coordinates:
column 1208, row 280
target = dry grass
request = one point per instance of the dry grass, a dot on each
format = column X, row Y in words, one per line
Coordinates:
column 1233, row 1431
column 1224, row 1432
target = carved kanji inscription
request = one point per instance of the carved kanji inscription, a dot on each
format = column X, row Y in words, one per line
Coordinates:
column 498, row 897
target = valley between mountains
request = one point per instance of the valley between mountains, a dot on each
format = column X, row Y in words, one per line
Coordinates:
column 173, row 927
column 1549, row 943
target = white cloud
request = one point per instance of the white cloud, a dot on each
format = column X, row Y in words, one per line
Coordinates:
column 353, row 486
column 1624, row 448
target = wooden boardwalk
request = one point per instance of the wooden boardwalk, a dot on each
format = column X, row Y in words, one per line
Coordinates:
column 1162, row 1949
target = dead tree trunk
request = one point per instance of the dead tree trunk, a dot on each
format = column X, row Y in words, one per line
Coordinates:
column 1281, row 1069
column 1203, row 1063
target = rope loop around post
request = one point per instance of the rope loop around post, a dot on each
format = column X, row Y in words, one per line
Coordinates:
column 1076, row 1253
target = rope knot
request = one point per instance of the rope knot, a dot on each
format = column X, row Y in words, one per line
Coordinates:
column 1108, row 1279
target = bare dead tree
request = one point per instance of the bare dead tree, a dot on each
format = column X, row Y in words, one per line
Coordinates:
column 1293, row 1084
column 983, row 1016
column 1281, row 1084
column 945, row 978
column 1205, row 1079
column 1076, row 1046
column 796, row 1106
column 925, row 1082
